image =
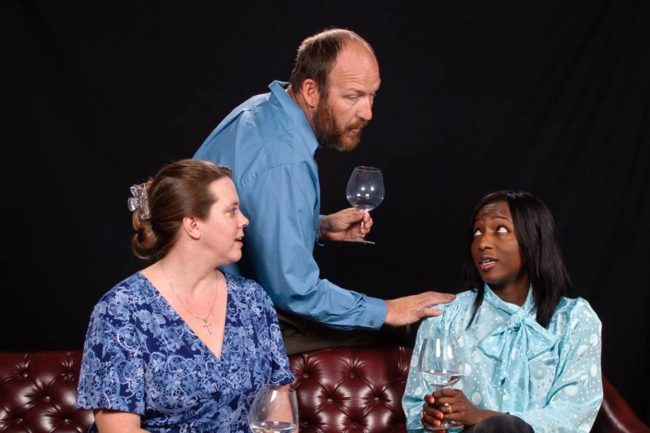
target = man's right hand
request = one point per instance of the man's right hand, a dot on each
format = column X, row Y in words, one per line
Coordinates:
column 410, row 309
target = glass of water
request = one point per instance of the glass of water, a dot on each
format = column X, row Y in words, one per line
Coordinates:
column 365, row 190
column 441, row 366
column 274, row 410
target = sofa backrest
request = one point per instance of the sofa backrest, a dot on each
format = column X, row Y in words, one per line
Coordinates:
column 357, row 389
column 352, row 389
column 38, row 391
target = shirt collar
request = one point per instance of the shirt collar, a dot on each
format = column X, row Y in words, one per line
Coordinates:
column 496, row 301
column 295, row 113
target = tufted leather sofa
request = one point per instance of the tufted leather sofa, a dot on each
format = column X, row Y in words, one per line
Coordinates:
column 354, row 390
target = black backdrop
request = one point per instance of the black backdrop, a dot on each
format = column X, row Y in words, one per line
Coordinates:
column 552, row 97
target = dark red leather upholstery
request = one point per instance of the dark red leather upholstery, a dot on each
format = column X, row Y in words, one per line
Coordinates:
column 615, row 415
column 37, row 393
column 351, row 389
column 355, row 390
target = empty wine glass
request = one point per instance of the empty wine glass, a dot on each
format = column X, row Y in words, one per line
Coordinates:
column 274, row 410
column 365, row 190
column 441, row 366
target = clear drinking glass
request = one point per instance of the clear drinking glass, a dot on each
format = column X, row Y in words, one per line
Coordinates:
column 365, row 190
column 274, row 410
column 441, row 366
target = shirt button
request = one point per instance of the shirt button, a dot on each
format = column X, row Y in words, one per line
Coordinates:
column 372, row 323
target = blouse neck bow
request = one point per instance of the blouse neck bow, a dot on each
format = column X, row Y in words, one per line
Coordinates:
column 520, row 336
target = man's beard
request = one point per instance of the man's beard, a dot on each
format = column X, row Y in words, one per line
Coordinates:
column 330, row 134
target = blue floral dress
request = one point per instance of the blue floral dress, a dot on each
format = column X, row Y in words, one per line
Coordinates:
column 141, row 357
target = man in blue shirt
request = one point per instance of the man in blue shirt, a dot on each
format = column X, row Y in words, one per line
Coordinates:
column 270, row 141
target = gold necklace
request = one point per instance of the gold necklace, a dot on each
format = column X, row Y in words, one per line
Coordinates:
column 206, row 324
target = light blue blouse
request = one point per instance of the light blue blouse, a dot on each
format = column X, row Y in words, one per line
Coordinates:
column 270, row 146
column 141, row 357
column 550, row 378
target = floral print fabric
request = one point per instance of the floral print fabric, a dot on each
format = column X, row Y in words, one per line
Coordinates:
column 141, row 357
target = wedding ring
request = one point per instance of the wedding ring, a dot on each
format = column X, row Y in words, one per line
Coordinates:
column 448, row 406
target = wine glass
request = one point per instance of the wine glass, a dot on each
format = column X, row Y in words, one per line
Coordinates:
column 441, row 366
column 365, row 190
column 274, row 410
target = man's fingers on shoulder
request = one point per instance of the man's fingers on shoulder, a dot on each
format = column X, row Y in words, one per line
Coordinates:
column 431, row 299
column 431, row 312
column 441, row 298
column 445, row 297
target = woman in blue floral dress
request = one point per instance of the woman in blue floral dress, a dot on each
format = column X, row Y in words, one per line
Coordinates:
column 181, row 346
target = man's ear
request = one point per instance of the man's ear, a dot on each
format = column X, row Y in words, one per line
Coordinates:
column 310, row 93
column 191, row 227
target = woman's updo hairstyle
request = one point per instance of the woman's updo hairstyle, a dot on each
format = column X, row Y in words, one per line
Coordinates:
column 178, row 190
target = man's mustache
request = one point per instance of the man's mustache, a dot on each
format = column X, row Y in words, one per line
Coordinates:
column 358, row 125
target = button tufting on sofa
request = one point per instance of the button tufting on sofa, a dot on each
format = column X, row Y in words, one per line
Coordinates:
column 37, row 393
column 356, row 390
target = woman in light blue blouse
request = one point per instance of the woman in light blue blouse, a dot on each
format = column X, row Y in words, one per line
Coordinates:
column 181, row 346
column 531, row 354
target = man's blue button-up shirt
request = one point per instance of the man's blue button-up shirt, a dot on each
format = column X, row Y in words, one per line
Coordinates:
column 269, row 144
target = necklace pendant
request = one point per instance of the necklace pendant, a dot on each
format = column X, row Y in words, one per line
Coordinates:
column 207, row 325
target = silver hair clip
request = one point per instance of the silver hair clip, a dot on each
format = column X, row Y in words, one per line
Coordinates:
column 140, row 201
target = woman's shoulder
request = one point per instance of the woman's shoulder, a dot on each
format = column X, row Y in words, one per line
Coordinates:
column 132, row 291
column 466, row 297
column 243, row 286
column 129, row 299
column 576, row 306
column 131, row 286
column 241, row 282
column 248, row 295
column 456, row 310
column 576, row 313
column 462, row 301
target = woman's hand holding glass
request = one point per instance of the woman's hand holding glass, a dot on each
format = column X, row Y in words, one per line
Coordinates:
column 440, row 366
column 452, row 405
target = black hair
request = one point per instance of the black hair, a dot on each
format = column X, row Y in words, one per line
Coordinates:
column 541, row 257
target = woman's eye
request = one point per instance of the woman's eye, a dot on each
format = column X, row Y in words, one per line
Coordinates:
column 477, row 232
column 502, row 229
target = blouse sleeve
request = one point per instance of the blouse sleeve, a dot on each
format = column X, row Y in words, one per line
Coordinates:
column 111, row 374
column 577, row 392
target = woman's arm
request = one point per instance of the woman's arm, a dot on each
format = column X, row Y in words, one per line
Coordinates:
column 110, row 421
column 577, row 392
